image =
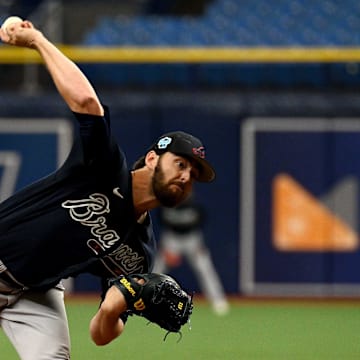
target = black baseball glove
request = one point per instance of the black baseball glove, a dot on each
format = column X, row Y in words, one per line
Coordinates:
column 156, row 297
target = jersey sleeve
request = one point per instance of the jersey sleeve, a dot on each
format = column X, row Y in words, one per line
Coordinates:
column 95, row 136
column 94, row 145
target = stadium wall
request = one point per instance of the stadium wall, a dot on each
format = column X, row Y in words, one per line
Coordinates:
column 239, row 228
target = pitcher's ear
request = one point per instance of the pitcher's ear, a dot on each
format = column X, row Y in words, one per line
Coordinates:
column 151, row 159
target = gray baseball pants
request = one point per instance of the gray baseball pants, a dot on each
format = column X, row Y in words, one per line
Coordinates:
column 35, row 322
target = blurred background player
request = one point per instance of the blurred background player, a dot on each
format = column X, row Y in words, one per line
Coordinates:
column 182, row 236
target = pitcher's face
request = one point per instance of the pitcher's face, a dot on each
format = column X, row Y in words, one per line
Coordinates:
column 173, row 179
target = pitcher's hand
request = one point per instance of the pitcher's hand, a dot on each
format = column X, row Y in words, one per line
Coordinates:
column 22, row 34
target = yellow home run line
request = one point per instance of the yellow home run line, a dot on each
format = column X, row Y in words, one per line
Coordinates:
column 87, row 54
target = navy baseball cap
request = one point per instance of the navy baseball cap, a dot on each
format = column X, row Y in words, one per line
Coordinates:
column 184, row 144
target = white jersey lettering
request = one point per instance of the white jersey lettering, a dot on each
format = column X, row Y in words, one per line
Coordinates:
column 88, row 213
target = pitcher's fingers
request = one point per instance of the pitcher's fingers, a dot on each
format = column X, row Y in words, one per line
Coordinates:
column 27, row 24
column 4, row 36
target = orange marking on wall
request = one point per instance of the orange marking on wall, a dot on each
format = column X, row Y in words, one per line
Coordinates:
column 303, row 223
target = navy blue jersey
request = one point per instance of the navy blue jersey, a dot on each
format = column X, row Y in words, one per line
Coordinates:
column 78, row 219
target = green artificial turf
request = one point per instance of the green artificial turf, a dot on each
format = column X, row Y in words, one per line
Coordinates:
column 253, row 330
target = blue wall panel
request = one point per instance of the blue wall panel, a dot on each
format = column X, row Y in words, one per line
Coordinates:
column 318, row 160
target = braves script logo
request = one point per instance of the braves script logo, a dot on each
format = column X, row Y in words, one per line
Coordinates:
column 89, row 212
column 130, row 260
column 123, row 260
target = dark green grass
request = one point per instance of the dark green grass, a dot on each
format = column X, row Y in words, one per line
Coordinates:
column 253, row 330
